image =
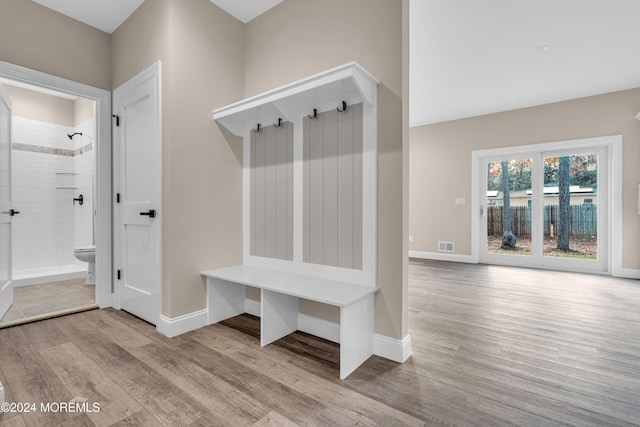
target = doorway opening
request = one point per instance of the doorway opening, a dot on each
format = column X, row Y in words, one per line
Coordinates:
column 89, row 144
column 52, row 187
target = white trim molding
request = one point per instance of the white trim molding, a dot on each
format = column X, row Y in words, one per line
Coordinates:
column 383, row 346
column 392, row 349
column 172, row 327
column 324, row 329
column 627, row 273
column 443, row 257
column 252, row 307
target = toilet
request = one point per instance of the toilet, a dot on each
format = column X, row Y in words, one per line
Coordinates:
column 88, row 254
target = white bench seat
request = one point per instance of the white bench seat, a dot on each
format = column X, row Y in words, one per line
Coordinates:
column 279, row 306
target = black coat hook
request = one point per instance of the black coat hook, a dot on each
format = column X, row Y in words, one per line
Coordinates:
column 315, row 114
column 279, row 123
column 344, row 107
column 257, row 129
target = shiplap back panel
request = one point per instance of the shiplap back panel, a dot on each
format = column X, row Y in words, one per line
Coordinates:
column 332, row 173
column 272, row 192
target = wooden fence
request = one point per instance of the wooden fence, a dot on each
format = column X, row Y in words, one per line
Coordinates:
column 584, row 220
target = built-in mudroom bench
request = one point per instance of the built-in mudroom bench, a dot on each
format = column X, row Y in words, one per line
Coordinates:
column 279, row 301
column 309, row 208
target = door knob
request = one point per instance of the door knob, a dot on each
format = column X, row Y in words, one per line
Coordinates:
column 151, row 213
column 11, row 212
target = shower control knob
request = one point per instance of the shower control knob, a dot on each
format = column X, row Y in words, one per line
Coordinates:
column 11, row 212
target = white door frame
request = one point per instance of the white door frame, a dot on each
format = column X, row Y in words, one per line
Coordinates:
column 613, row 229
column 102, row 199
column 6, row 288
column 153, row 71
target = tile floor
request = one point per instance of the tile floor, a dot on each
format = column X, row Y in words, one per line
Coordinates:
column 37, row 301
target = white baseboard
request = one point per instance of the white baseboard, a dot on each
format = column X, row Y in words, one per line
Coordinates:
column 383, row 346
column 329, row 331
column 627, row 273
column 172, row 327
column 442, row 257
column 392, row 349
column 312, row 325
column 389, row 348
column 252, row 307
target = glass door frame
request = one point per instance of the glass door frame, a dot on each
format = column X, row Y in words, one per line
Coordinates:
column 608, row 149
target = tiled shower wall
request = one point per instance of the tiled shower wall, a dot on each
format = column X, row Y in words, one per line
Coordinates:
column 48, row 171
column 84, row 164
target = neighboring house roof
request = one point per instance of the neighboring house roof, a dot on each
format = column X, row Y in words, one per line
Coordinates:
column 573, row 189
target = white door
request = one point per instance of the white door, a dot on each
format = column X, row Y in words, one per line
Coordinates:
column 138, row 191
column 6, row 210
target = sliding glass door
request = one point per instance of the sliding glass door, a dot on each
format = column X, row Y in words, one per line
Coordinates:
column 544, row 209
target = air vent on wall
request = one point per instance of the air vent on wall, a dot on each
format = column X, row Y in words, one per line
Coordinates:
column 445, row 246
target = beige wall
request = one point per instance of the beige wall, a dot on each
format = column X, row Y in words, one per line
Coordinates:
column 203, row 193
column 42, row 107
column 299, row 38
column 38, row 38
column 140, row 41
column 440, row 165
column 201, row 48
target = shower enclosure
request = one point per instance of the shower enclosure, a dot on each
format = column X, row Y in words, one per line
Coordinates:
column 52, row 169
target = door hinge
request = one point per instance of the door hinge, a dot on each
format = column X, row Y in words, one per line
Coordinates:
column 117, row 197
column 118, row 274
column 117, row 117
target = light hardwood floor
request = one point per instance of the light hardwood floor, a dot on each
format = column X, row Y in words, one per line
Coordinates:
column 492, row 346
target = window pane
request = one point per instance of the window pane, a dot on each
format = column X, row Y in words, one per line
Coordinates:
column 508, row 204
column 571, row 206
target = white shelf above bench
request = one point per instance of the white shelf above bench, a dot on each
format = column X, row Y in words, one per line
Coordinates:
column 349, row 82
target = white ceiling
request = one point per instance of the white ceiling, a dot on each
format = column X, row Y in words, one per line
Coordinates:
column 470, row 57
column 105, row 15
column 108, row 15
column 245, row 10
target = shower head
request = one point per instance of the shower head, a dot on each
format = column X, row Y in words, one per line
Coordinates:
column 71, row 135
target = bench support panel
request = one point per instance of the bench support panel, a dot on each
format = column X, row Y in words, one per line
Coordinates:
column 226, row 299
column 279, row 316
column 356, row 335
